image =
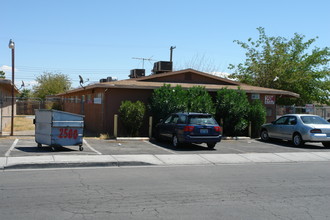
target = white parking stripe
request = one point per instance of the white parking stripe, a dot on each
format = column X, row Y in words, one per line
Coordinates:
column 11, row 148
column 89, row 146
column 172, row 152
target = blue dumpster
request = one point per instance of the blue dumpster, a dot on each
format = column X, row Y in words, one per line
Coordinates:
column 58, row 128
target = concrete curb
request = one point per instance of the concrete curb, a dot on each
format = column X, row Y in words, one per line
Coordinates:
column 132, row 139
column 66, row 161
column 236, row 138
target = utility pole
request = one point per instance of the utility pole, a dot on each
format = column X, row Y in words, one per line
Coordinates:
column 171, row 49
column 12, row 47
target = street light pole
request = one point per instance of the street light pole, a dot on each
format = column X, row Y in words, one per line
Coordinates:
column 12, row 47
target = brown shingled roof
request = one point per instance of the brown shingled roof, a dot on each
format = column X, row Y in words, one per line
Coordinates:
column 6, row 83
column 147, row 83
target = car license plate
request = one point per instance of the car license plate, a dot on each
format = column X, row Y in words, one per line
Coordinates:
column 204, row 131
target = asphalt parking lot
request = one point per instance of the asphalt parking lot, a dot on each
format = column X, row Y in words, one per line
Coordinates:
column 26, row 146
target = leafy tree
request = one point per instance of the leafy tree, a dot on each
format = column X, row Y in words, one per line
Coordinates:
column 166, row 100
column 25, row 93
column 232, row 107
column 51, row 84
column 131, row 114
column 2, row 74
column 199, row 100
column 257, row 116
column 279, row 63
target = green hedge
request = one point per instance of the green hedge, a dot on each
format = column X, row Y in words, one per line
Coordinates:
column 131, row 115
column 167, row 100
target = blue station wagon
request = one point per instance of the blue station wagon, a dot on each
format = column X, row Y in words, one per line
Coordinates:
column 183, row 128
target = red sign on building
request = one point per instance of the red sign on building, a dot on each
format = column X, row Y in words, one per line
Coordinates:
column 270, row 100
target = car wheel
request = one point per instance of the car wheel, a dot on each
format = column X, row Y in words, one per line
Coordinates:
column 264, row 135
column 326, row 144
column 211, row 145
column 297, row 140
column 175, row 141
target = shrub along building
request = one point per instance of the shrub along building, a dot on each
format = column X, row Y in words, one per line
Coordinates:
column 101, row 101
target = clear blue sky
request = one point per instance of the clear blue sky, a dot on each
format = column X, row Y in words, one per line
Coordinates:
column 98, row 38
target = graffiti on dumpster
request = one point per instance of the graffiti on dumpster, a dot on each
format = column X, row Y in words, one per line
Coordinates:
column 68, row 133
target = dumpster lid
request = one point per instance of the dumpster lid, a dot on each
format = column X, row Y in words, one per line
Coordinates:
column 58, row 111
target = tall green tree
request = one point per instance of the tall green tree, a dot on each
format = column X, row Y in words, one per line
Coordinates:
column 166, row 100
column 2, row 74
column 287, row 64
column 199, row 100
column 50, row 84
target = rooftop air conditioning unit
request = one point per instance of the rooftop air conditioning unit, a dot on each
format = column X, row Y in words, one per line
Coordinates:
column 137, row 73
column 109, row 79
column 162, row 66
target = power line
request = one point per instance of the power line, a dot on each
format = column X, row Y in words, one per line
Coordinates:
column 28, row 68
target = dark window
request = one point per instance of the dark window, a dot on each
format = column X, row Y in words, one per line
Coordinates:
column 168, row 119
column 292, row 120
column 182, row 119
column 175, row 119
column 281, row 121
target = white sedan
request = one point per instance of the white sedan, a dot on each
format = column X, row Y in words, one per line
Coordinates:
column 298, row 128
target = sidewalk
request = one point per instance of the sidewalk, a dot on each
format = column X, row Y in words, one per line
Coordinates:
column 57, row 161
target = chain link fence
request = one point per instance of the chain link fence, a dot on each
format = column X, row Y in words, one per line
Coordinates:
column 322, row 111
column 23, row 113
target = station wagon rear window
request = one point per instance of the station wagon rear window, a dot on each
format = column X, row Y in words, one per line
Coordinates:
column 201, row 119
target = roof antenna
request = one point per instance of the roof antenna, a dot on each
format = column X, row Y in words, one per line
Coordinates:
column 143, row 59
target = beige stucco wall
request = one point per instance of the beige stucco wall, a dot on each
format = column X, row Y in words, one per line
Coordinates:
column 5, row 107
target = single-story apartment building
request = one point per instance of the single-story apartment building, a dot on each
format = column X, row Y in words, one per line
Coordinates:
column 100, row 102
column 5, row 102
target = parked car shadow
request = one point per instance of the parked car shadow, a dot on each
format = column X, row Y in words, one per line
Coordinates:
column 183, row 147
column 288, row 144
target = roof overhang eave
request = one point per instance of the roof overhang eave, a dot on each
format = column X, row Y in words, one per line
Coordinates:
column 214, row 89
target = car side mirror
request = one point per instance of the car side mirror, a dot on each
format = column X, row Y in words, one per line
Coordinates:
column 161, row 120
column 273, row 122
